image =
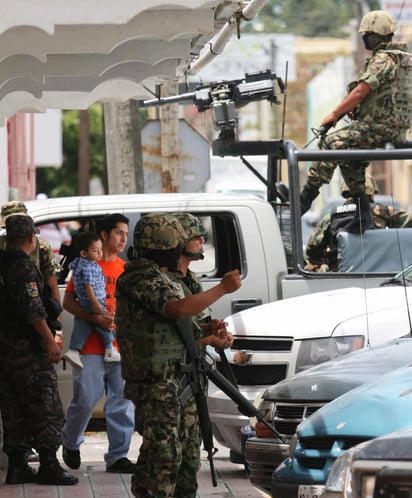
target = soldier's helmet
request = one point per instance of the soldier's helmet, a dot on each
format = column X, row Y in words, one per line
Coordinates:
column 192, row 225
column 159, row 232
column 12, row 207
column 379, row 22
column 371, row 187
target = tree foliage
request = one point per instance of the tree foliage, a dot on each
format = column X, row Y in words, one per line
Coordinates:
column 64, row 181
column 311, row 18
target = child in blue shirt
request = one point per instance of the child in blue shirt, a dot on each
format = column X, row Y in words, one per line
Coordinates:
column 90, row 289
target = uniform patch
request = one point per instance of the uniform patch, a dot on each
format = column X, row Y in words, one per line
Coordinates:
column 32, row 289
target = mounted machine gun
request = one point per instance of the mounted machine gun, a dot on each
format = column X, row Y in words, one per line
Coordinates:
column 223, row 98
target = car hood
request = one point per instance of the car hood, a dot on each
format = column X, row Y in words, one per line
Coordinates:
column 394, row 446
column 375, row 408
column 323, row 313
column 333, row 378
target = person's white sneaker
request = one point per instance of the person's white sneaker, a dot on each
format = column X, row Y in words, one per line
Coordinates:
column 111, row 355
column 74, row 358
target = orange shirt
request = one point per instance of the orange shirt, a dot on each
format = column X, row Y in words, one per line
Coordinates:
column 111, row 271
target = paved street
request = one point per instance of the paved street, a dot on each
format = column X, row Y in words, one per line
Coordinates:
column 94, row 482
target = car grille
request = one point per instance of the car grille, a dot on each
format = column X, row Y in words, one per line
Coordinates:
column 319, row 453
column 259, row 345
column 257, row 375
column 287, row 416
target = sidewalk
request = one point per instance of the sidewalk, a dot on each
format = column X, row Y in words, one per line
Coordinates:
column 95, row 482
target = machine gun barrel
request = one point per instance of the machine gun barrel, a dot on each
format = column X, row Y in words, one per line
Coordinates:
column 174, row 99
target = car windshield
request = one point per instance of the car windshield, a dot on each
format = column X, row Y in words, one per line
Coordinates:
column 402, row 278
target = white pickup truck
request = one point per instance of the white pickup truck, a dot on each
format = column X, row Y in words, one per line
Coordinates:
column 260, row 238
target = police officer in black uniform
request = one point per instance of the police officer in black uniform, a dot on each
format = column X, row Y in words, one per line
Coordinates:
column 29, row 401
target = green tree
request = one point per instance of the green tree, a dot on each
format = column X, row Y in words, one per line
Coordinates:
column 64, row 181
column 311, row 18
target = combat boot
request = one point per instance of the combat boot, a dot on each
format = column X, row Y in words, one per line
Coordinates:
column 307, row 196
column 50, row 471
column 282, row 192
column 19, row 471
column 363, row 219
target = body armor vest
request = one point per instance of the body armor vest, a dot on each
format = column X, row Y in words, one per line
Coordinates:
column 393, row 98
column 150, row 343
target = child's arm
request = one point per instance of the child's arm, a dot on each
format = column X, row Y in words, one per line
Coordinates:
column 96, row 306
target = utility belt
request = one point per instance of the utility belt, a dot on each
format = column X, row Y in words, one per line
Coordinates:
column 183, row 377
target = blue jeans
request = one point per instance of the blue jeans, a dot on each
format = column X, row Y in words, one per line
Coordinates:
column 82, row 330
column 89, row 384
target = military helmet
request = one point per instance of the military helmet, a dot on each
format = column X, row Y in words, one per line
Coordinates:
column 12, row 207
column 159, row 232
column 378, row 21
column 192, row 225
column 371, row 187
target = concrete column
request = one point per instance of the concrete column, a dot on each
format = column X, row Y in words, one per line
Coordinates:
column 169, row 139
column 123, row 147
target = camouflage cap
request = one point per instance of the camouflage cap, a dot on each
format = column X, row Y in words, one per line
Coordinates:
column 192, row 225
column 378, row 21
column 12, row 207
column 19, row 227
column 159, row 232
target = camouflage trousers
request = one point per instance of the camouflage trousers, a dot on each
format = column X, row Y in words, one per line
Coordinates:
column 357, row 135
column 169, row 456
column 30, row 405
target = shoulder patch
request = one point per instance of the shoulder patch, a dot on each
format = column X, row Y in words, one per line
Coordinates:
column 32, row 289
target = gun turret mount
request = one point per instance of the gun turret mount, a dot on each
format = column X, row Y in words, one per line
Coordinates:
column 223, row 98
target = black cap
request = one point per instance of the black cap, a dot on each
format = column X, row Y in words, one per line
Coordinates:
column 19, row 226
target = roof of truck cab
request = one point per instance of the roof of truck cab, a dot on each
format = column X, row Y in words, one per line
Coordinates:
column 66, row 207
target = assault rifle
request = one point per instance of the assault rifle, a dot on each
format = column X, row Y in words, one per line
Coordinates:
column 224, row 97
column 198, row 369
column 198, row 383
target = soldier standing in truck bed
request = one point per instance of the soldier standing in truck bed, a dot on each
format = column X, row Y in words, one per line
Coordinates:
column 380, row 104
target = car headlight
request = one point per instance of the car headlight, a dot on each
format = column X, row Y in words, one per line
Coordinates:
column 340, row 475
column 315, row 351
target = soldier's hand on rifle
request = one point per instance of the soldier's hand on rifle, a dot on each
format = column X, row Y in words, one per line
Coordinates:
column 218, row 327
column 221, row 342
column 231, row 281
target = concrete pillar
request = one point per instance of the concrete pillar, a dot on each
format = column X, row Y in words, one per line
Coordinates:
column 123, row 147
column 169, row 139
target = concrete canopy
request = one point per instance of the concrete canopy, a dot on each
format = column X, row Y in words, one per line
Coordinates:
column 70, row 54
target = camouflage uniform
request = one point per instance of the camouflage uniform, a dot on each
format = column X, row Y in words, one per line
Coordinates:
column 30, row 404
column 152, row 350
column 42, row 254
column 321, row 249
column 379, row 118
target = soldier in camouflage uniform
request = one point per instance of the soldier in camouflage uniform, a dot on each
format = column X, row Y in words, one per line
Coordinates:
column 149, row 303
column 42, row 254
column 213, row 330
column 380, row 104
column 322, row 250
column 45, row 260
column 29, row 400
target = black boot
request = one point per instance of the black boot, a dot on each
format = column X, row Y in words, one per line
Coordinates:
column 307, row 196
column 19, row 472
column 363, row 219
column 282, row 192
column 50, row 471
